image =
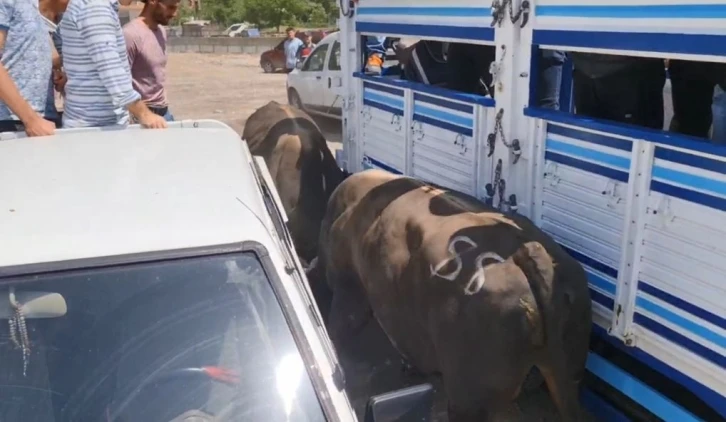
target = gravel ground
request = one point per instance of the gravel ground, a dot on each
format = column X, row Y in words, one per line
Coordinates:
column 229, row 88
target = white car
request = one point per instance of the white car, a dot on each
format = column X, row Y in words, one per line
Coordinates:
column 236, row 29
column 148, row 276
column 315, row 85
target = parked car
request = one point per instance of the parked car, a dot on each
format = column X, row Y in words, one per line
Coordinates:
column 236, row 29
column 152, row 278
column 315, row 85
column 274, row 59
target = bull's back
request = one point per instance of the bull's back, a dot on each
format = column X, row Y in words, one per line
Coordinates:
column 261, row 122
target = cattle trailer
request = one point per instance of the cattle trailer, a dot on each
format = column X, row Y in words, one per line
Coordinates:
column 643, row 210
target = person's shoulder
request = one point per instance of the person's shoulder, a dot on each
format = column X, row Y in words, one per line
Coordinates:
column 90, row 6
column 132, row 28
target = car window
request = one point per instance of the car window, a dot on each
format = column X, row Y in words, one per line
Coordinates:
column 234, row 28
column 334, row 60
column 151, row 342
column 316, row 60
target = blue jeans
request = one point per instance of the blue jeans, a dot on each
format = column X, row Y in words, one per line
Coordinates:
column 718, row 136
column 550, row 79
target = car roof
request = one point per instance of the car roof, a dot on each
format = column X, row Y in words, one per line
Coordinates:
column 95, row 192
column 333, row 36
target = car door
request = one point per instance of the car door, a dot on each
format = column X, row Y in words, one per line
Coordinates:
column 311, row 78
column 333, row 82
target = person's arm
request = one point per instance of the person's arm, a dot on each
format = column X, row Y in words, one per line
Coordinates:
column 57, row 64
column 97, row 25
column 9, row 93
column 35, row 125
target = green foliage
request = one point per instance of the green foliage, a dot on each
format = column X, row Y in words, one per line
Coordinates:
column 225, row 12
column 270, row 13
column 315, row 16
column 183, row 14
column 274, row 13
column 331, row 9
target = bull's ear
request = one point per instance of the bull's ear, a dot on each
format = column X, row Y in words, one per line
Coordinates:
column 534, row 253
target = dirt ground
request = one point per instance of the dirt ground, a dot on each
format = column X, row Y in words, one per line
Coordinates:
column 229, row 88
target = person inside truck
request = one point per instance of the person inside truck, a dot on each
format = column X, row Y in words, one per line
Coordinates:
column 423, row 62
column 146, row 48
column 692, row 91
column 291, row 46
column 99, row 91
column 550, row 78
column 619, row 88
column 469, row 71
column 375, row 51
column 25, row 68
column 468, row 68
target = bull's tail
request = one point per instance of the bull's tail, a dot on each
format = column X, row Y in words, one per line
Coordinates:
column 538, row 267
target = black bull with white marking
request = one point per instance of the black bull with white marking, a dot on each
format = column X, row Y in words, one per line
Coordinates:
column 302, row 168
column 459, row 289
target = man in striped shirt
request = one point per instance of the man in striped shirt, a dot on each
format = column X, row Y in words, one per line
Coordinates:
column 99, row 90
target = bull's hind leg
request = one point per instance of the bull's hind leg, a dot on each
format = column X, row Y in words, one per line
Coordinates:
column 349, row 310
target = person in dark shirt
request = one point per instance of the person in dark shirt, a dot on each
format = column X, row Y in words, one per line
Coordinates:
column 619, row 88
column 692, row 91
column 307, row 47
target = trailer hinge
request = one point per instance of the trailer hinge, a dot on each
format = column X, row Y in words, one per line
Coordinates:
column 499, row 8
column 396, row 122
column 348, row 103
column 630, row 340
column 460, row 141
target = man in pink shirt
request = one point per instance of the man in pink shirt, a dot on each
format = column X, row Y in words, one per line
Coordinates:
column 146, row 47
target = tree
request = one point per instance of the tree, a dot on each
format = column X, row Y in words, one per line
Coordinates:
column 274, row 13
column 331, row 9
column 316, row 15
column 184, row 14
column 225, row 12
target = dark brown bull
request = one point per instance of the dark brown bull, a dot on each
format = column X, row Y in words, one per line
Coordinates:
column 302, row 168
column 458, row 288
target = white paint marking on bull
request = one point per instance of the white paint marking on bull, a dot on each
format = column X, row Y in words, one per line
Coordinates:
column 455, row 256
column 476, row 282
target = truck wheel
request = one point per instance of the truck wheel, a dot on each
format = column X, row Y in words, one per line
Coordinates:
column 294, row 99
column 267, row 66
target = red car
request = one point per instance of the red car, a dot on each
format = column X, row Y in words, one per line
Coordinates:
column 274, row 59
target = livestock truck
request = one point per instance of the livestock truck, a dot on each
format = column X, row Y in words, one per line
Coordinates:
column 644, row 211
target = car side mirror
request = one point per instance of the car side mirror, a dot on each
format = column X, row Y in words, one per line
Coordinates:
column 412, row 404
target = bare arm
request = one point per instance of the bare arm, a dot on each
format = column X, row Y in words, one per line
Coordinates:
column 9, row 93
column 56, row 57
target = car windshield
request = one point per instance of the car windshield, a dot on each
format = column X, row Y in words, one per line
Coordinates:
column 192, row 339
